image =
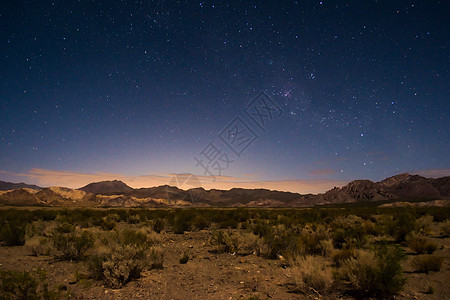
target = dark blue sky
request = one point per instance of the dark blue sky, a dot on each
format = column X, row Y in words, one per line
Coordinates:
column 142, row 87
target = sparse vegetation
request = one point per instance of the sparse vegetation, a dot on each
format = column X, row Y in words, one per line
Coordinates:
column 224, row 241
column 341, row 256
column 38, row 245
column 445, row 228
column 427, row 263
column 430, row 290
column 12, row 233
column 185, row 258
column 122, row 256
column 70, row 242
column 158, row 225
column 404, row 223
column 25, row 285
column 314, row 241
column 329, row 252
column 372, row 274
column 312, row 275
column 109, row 222
column 421, row 245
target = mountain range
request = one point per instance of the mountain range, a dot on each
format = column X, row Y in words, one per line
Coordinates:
column 117, row 194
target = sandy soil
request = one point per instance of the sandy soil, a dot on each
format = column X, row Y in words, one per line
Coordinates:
column 207, row 275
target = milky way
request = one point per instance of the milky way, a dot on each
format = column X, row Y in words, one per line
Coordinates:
column 137, row 87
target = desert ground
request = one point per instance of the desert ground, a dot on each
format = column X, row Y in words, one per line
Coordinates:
column 323, row 253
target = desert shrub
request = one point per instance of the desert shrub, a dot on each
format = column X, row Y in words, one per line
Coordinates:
column 45, row 214
column 404, row 223
column 38, row 245
column 181, row 222
column 24, row 285
column 242, row 243
column 424, row 224
column 19, row 285
column 35, row 228
column 118, row 265
column 384, row 222
column 312, row 275
column 185, row 258
column 156, row 258
column 373, row 274
column 109, row 222
column 159, row 225
column 261, row 228
column 224, row 242
column 199, row 222
column 243, row 225
column 278, row 241
column 229, row 223
column 71, row 242
column 249, row 243
column 281, row 243
column 339, row 257
column 122, row 256
column 12, row 234
column 427, row 263
column 420, row 244
column 314, row 241
column 445, row 228
column 372, row 228
column 133, row 237
column 349, row 232
column 65, row 228
column 134, row 219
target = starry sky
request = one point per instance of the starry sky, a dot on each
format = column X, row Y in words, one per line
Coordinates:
column 144, row 90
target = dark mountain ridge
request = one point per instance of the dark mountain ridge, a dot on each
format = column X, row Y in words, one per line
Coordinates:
column 109, row 187
column 6, row 186
column 117, row 194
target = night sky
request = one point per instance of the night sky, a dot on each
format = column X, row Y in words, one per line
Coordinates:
column 142, row 90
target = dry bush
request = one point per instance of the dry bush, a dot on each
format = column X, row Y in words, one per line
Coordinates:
column 445, row 228
column 312, row 275
column 424, row 224
column 404, row 223
column 38, row 245
column 36, row 228
column 372, row 228
column 153, row 237
column 12, row 233
column 185, row 258
column 280, row 240
column 349, row 232
column 199, row 222
column 339, row 257
column 249, row 243
column 242, row 243
column 118, row 265
column 372, row 274
column 25, row 285
column 159, row 225
column 420, row 244
column 224, row 241
column 156, row 258
column 109, row 222
column 315, row 241
column 122, row 256
column 134, row 219
column 427, row 263
column 70, row 242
